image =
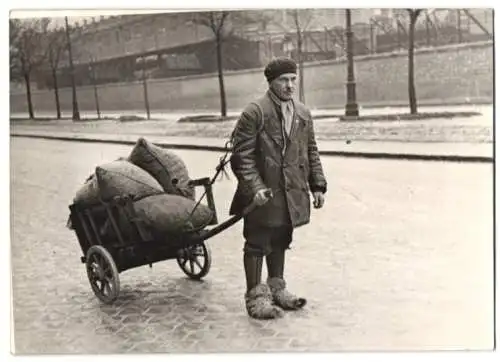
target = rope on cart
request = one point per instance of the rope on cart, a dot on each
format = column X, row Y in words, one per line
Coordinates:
column 219, row 169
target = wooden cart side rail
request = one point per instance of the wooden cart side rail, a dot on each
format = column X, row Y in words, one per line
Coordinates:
column 138, row 223
column 82, row 232
column 114, row 224
column 206, row 182
column 144, row 254
column 93, row 226
column 119, row 210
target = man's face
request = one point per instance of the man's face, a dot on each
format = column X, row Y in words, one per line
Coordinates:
column 284, row 86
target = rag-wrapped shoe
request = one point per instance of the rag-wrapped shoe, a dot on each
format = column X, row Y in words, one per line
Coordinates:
column 259, row 303
column 282, row 297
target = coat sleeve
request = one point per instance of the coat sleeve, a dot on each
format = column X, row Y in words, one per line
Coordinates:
column 317, row 180
column 243, row 159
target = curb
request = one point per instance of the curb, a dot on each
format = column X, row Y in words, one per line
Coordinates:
column 371, row 155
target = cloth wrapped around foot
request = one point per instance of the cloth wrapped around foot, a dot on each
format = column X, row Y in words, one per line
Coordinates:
column 282, row 297
column 259, row 303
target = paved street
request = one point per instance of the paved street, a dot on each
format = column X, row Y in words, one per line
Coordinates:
column 400, row 258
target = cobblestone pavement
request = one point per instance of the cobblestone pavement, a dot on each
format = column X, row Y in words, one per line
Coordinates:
column 400, row 258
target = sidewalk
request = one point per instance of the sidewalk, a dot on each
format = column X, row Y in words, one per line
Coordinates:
column 429, row 151
column 316, row 113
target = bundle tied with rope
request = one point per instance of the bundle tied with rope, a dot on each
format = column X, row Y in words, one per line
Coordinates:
column 158, row 183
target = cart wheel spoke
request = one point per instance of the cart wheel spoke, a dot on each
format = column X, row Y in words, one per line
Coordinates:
column 197, row 268
column 107, row 271
column 103, row 274
column 107, row 287
column 94, row 278
column 198, row 263
column 108, row 281
column 101, row 288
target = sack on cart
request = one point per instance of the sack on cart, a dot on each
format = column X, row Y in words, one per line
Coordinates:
column 160, row 212
column 165, row 166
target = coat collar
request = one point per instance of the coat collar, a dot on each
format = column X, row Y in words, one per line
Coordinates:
column 273, row 122
column 299, row 108
column 272, row 119
column 278, row 102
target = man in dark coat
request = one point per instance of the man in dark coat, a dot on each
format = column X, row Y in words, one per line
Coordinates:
column 274, row 148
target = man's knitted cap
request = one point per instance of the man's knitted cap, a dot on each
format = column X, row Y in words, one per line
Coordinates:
column 279, row 66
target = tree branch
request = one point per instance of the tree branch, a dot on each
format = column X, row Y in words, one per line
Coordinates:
column 296, row 19
column 213, row 24
column 309, row 20
column 224, row 15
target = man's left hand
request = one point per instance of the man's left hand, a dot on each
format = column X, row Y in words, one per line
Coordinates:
column 319, row 200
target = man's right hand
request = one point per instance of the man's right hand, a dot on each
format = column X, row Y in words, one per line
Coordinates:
column 261, row 197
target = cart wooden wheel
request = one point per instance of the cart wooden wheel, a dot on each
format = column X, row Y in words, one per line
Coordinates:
column 195, row 261
column 102, row 274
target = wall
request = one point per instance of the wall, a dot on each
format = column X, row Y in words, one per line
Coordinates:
column 453, row 73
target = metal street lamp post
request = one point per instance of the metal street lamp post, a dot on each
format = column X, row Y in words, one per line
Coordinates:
column 351, row 107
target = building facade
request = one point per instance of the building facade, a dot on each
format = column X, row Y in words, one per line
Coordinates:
column 161, row 45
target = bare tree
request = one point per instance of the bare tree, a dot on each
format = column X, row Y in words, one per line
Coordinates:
column 217, row 21
column 76, row 112
column 223, row 25
column 27, row 51
column 301, row 19
column 413, row 14
column 14, row 35
column 57, row 45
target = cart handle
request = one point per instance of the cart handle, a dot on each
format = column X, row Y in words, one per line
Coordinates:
column 229, row 222
column 200, row 181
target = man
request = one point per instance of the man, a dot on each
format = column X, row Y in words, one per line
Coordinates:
column 274, row 148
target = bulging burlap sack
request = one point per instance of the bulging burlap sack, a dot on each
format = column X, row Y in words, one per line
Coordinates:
column 88, row 194
column 173, row 214
column 122, row 178
column 165, row 166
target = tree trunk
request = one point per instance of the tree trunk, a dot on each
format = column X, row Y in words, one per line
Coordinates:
column 459, row 26
column 145, row 88
column 399, row 35
column 411, row 76
column 223, row 107
column 427, row 30
column 56, row 93
column 76, row 112
column 28, row 95
column 302, row 97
